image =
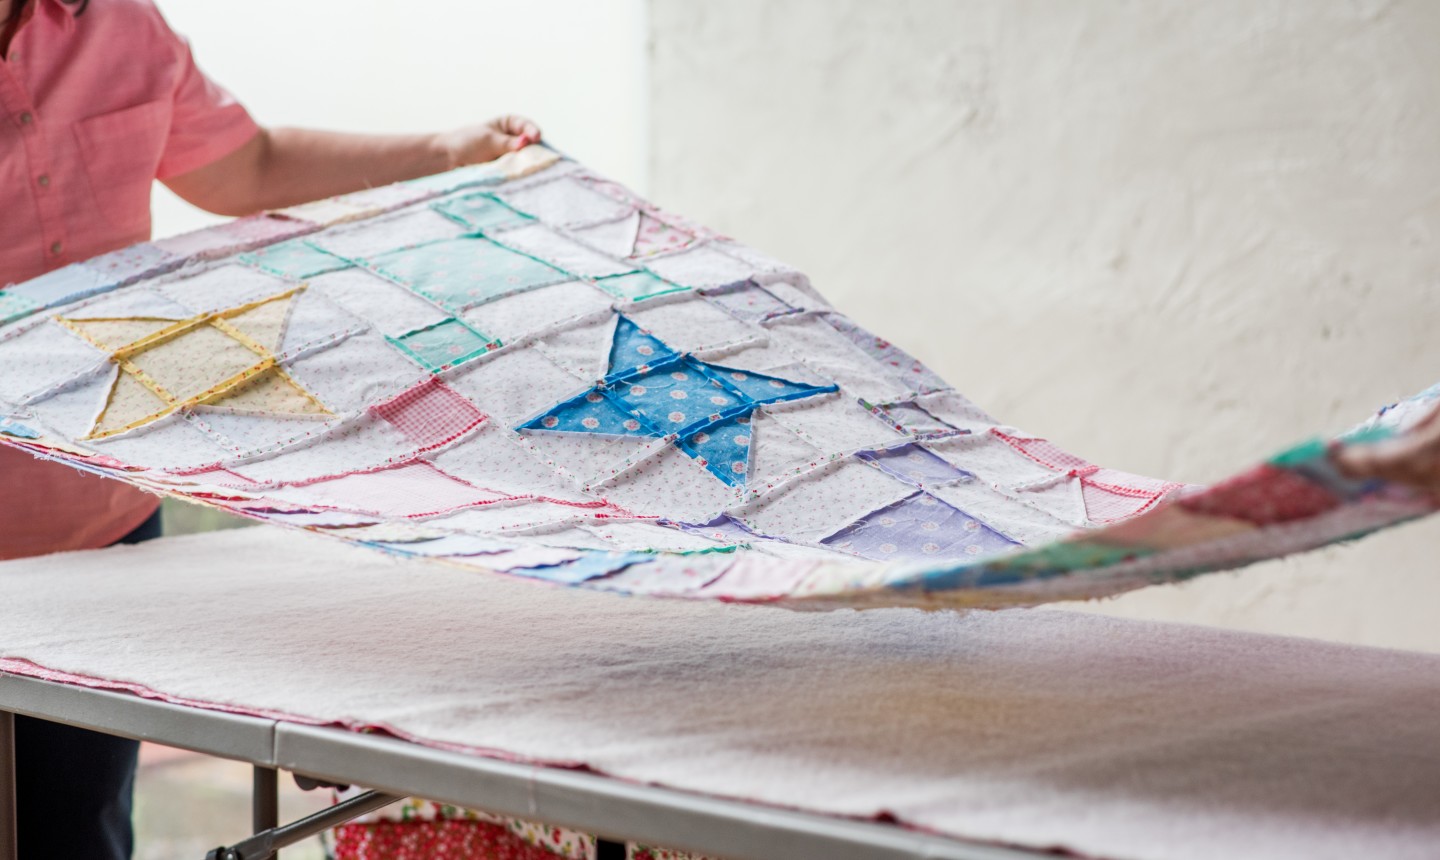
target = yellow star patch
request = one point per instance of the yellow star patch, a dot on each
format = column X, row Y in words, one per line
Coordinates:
column 225, row 358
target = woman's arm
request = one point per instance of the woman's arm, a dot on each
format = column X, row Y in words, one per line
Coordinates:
column 285, row 166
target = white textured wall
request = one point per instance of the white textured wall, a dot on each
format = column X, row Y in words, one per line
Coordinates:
column 1171, row 236
column 576, row 66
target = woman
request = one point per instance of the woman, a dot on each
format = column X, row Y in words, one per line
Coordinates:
column 98, row 100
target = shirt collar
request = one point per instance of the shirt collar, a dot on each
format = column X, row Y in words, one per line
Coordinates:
column 63, row 12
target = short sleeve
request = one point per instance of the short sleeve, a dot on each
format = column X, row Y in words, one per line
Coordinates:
column 206, row 122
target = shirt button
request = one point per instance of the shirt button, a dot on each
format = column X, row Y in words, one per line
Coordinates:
column 56, row 248
column 44, row 180
column 26, row 118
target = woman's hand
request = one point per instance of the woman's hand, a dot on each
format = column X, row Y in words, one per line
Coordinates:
column 285, row 166
column 1412, row 459
column 479, row 143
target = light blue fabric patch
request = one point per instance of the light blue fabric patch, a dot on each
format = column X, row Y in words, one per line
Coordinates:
column 761, row 388
column 479, row 211
column 724, row 448
column 10, row 427
column 653, row 391
column 465, row 272
column 70, row 283
column 635, row 286
column 448, row 343
column 591, row 566
column 592, row 412
column 677, row 396
column 633, row 347
column 295, row 259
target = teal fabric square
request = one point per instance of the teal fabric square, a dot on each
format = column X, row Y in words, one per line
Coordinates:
column 637, row 285
column 462, row 273
column 448, row 343
column 13, row 307
column 460, row 177
column 479, row 211
column 295, row 259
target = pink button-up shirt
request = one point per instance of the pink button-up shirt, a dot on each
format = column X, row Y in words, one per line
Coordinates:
column 93, row 108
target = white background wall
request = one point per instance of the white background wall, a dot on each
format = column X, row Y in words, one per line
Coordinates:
column 1171, row 236
column 577, row 67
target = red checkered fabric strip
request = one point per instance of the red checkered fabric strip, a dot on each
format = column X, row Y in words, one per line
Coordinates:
column 430, row 413
column 1127, row 484
column 1104, row 505
column 1046, row 454
column 429, row 839
column 1112, row 495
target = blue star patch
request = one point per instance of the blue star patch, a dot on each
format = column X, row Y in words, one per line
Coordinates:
column 652, row 390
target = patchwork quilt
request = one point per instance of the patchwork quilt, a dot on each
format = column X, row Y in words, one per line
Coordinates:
column 524, row 368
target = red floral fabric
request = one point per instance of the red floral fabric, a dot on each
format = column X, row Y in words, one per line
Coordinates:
column 442, row 839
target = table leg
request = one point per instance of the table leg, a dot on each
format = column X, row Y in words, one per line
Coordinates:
column 9, row 838
column 265, row 801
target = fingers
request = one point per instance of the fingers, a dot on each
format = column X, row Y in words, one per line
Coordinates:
column 1418, row 476
column 1412, row 459
column 521, row 131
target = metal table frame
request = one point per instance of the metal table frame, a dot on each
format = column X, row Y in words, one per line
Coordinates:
column 613, row 808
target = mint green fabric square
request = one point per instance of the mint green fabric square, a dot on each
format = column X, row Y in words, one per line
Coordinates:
column 462, row 273
column 637, row 285
column 1066, row 556
column 295, row 259
column 1306, row 452
column 13, row 307
column 448, row 343
column 479, row 211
